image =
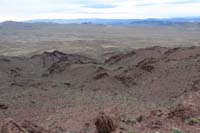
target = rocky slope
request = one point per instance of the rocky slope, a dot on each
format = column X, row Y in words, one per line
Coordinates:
column 65, row 91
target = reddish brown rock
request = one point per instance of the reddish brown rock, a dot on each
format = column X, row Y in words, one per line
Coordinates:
column 10, row 126
column 104, row 124
column 33, row 128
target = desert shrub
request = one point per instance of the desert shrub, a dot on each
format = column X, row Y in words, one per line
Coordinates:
column 132, row 132
column 193, row 121
column 176, row 130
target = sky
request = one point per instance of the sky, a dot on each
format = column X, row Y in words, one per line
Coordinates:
column 20, row 10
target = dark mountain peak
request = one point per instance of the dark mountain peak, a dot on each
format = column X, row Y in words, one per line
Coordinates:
column 55, row 53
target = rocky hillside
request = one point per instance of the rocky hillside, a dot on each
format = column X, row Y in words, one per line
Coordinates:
column 66, row 91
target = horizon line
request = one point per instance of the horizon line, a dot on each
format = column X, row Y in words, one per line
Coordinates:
column 156, row 18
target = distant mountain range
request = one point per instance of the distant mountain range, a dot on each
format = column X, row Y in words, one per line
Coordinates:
column 170, row 21
column 148, row 22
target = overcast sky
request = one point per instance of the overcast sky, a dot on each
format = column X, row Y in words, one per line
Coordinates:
column 116, row 9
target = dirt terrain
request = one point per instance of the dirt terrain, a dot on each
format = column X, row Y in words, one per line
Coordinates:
column 144, row 90
column 95, row 41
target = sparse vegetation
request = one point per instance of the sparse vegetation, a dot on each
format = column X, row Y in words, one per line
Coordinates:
column 193, row 121
column 132, row 131
column 176, row 130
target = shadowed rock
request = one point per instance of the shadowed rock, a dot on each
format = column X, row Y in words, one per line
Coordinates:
column 146, row 64
column 104, row 124
column 32, row 128
column 3, row 106
column 101, row 75
column 10, row 126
